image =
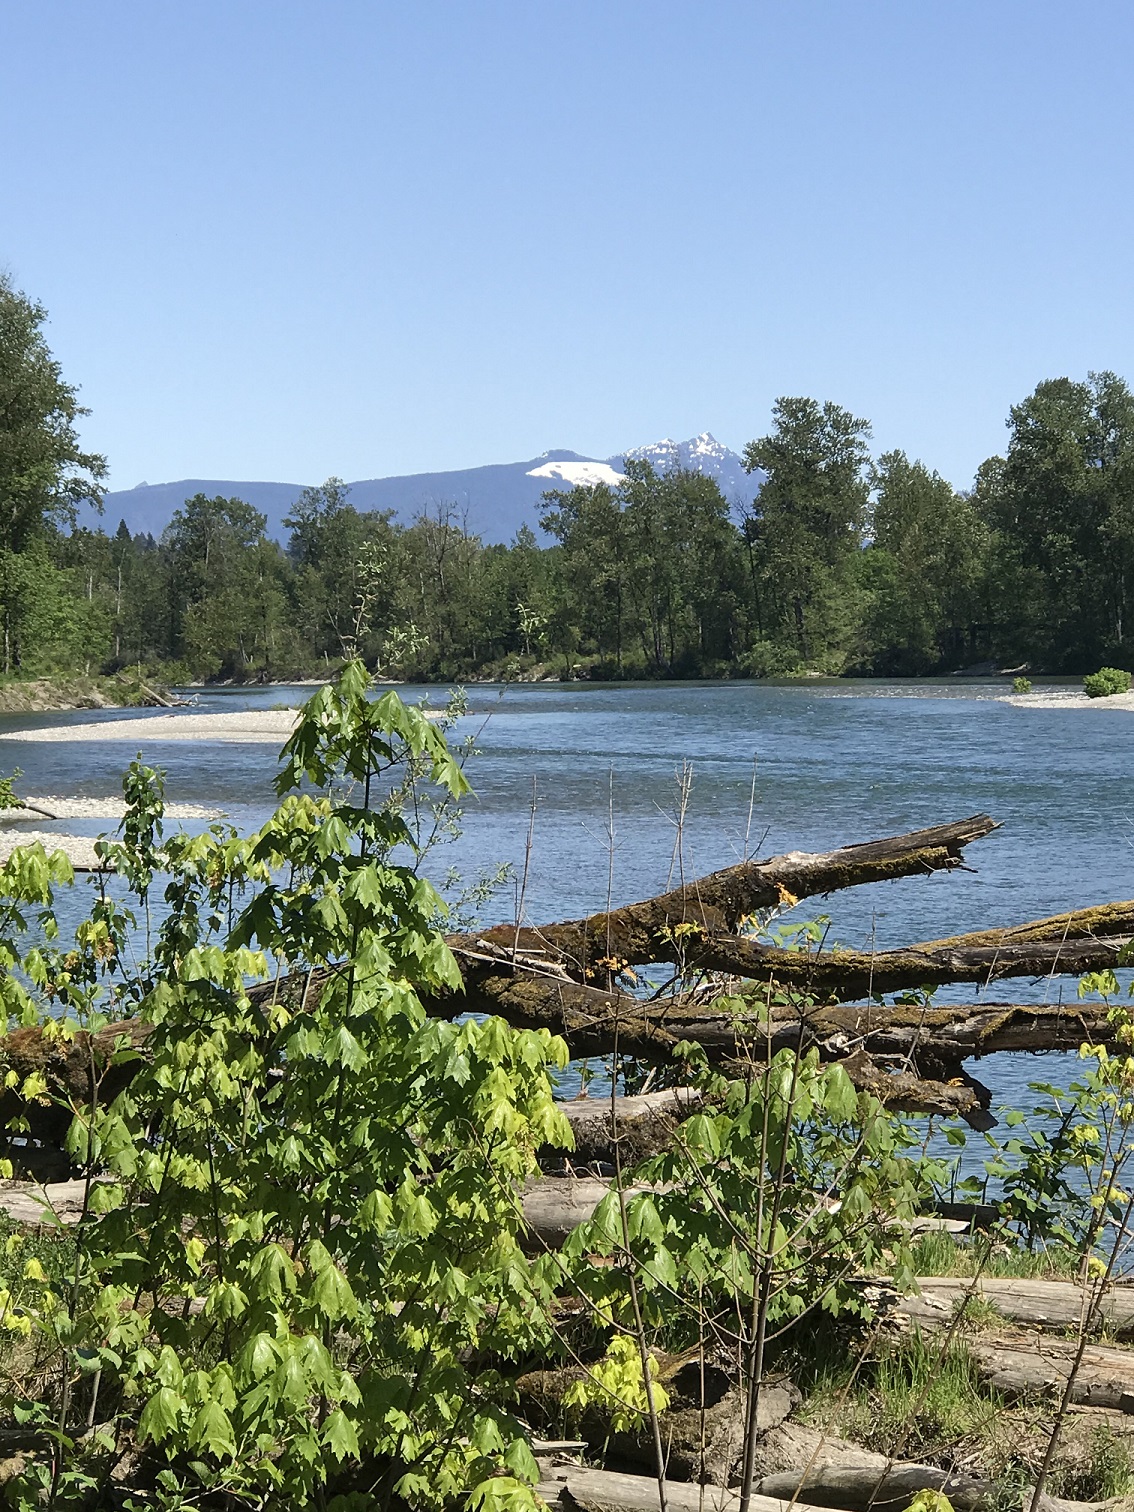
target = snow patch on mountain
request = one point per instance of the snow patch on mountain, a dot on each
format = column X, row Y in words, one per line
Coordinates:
column 578, row 474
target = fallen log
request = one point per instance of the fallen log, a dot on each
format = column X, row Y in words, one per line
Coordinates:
column 554, row 1205
column 576, row 1489
column 910, row 1059
column 640, row 933
column 841, row 974
column 595, row 1023
column 1019, row 1366
column 892, row 1486
column 851, row 1487
column 638, row 1126
column 1043, row 1304
column 51, row 1205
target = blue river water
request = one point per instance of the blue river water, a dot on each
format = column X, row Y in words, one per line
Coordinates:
column 834, row 762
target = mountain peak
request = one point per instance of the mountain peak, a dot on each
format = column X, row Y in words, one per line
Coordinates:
column 703, row 454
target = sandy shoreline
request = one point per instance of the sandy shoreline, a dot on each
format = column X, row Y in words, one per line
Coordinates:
column 250, row 727
column 262, row 726
column 1069, row 700
column 96, row 808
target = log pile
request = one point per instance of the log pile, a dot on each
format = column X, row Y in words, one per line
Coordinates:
column 577, row 979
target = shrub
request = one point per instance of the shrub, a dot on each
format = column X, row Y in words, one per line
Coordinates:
column 311, row 1240
column 1106, row 682
column 1021, row 685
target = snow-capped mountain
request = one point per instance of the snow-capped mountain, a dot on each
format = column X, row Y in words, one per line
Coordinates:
column 494, row 501
column 703, row 454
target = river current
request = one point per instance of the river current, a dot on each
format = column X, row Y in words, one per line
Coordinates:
column 834, row 762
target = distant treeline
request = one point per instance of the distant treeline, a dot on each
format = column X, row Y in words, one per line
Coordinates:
column 841, row 564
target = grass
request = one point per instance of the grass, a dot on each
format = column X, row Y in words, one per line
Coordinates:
column 1102, row 1467
column 939, row 1254
column 910, row 1400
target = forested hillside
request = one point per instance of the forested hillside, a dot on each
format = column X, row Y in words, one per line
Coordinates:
column 846, row 563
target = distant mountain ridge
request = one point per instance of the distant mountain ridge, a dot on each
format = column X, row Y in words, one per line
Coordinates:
column 496, row 499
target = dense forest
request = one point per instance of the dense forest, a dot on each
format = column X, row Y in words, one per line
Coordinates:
column 840, row 563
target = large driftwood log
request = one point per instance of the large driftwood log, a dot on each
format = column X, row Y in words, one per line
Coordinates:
column 1023, row 1366
column 1043, row 1304
column 875, row 1043
column 840, row 974
column 643, row 932
column 891, row 1486
column 554, row 1205
column 576, row 1489
column 852, row 1487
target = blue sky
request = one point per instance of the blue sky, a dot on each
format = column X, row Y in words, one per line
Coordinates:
column 280, row 240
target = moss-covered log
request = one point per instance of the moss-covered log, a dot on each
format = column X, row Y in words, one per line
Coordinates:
column 640, row 933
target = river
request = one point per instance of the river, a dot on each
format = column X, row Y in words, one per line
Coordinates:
column 834, row 762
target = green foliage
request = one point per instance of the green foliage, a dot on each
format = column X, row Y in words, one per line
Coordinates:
column 922, row 569
column 312, row 1230
column 616, row 1385
column 1062, row 530
column 838, row 563
column 44, row 473
column 1021, row 685
column 784, row 1188
column 1106, row 682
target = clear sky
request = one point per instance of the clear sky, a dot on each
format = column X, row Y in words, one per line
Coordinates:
column 280, row 239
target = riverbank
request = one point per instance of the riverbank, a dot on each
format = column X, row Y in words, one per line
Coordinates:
column 44, row 694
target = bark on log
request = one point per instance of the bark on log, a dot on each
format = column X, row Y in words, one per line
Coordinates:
column 842, row 974
column 938, row 1039
column 72, row 1069
column 890, row 1487
column 1042, row 1304
column 853, row 1487
column 554, row 1205
column 640, row 1126
column 643, row 932
column 575, row 1489
column 50, row 1206
column 784, row 1454
column 1022, row 1367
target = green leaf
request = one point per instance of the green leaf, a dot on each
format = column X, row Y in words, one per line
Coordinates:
column 160, row 1416
column 339, row 1435
column 212, row 1430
